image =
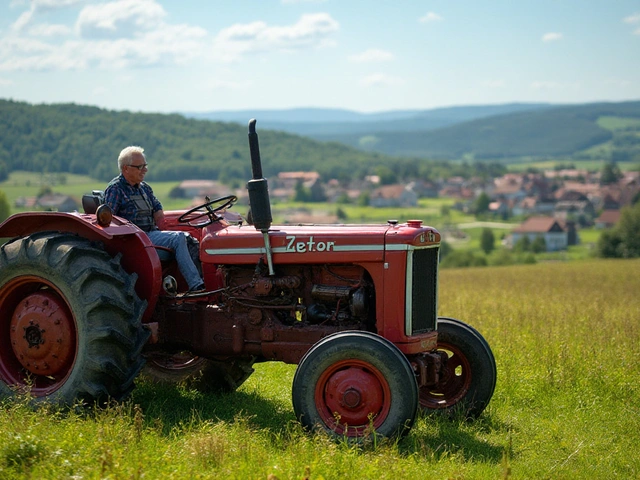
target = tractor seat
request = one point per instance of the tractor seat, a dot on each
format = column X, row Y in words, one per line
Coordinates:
column 91, row 202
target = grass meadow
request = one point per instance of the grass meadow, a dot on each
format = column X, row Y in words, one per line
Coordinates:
column 566, row 337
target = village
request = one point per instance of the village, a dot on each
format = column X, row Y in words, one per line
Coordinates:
column 552, row 204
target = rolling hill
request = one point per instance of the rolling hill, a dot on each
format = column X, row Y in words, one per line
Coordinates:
column 334, row 123
column 87, row 140
column 543, row 132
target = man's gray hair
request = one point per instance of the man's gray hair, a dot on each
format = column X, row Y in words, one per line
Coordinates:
column 126, row 156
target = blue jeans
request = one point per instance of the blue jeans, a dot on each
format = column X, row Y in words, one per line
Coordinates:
column 177, row 241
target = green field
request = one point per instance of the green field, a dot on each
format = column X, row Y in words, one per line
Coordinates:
column 566, row 337
column 437, row 212
column 618, row 123
column 25, row 184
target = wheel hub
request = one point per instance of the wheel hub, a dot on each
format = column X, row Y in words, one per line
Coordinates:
column 355, row 395
column 41, row 333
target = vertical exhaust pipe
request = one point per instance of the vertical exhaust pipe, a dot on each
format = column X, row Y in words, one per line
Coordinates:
column 259, row 194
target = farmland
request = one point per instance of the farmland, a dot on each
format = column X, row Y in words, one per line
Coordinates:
column 566, row 337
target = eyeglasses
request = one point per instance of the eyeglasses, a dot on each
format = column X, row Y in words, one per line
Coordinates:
column 139, row 167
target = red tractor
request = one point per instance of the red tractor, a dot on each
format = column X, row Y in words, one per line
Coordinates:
column 86, row 299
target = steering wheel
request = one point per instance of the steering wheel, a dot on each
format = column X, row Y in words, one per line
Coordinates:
column 206, row 210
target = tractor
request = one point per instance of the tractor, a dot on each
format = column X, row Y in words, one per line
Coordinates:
column 87, row 302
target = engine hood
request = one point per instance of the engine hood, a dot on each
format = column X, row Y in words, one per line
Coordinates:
column 292, row 244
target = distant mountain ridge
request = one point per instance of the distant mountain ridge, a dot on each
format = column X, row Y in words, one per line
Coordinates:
column 316, row 122
column 508, row 131
column 545, row 132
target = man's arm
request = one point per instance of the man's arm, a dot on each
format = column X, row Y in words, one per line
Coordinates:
column 112, row 198
column 158, row 217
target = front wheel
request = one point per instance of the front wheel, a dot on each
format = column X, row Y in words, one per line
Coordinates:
column 468, row 378
column 70, row 321
column 355, row 385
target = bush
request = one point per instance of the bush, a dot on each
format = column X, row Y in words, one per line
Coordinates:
column 487, row 241
column 539, row 245
column 5, row 209
column 624, row 240
column 458, row 259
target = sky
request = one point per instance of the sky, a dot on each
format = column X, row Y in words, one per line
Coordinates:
column 367, row 56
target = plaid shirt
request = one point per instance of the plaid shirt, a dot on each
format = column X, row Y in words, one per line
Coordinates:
column 118, row 196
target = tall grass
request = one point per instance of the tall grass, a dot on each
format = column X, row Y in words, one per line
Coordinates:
column 567, row 405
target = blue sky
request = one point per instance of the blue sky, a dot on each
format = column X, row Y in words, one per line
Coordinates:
column 368, row 56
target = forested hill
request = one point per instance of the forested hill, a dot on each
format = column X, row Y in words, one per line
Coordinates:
column 557, row 131
column 87, row 140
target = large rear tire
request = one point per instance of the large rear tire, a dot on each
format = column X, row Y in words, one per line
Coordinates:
column 355, row 385
column 469, row 376
column 201, row 373
column 70, row 321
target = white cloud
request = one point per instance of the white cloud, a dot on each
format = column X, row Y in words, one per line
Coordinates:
column 49, row 30
column 430, row 17
column 229, row 85
column 23, row 20
column 5, row 82
column 118, row 34
column 55, row 4
column 371, row 55
column 118, row 19
column 124, row 33
column 635, row 18
column 495, row 83
column 381, row 80
column 551, row 37
column 38, row 6
column 618, row 82
column 551, row 85
column 311, row 31
column 100, row 91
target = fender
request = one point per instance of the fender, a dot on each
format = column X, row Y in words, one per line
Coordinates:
column 121, row 237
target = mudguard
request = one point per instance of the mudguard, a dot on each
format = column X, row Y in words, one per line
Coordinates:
column 122, row 237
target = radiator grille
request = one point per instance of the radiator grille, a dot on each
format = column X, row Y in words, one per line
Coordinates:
column 424, row 284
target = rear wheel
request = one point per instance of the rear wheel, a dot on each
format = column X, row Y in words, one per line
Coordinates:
column 70, row 324
column 469, row 377
column 202, row 373
column 355, row 384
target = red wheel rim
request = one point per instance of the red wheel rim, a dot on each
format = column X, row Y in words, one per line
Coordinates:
column 352, row 398
column 454, row 382
column 38, row 336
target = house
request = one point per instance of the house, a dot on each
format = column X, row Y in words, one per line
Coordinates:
column 424, row 189
column 309, row 180
column 499, row 208
column 607, row 219
column 57, row 202
column 568, row 208
column 202, row 188
column 26, row 202
column 393, row 196
column 509, row 192
column 549, row 228
column 533, row 205
column 291, row 179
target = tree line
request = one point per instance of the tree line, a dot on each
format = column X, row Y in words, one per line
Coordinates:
column 87, row 140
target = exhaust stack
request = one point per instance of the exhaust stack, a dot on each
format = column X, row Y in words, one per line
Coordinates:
column 259, row 194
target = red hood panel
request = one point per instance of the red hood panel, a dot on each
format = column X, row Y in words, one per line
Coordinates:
column 297, row 244
column 293, row 244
